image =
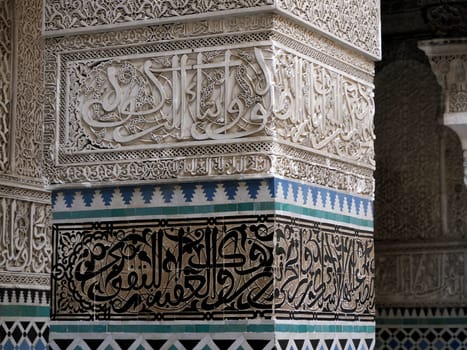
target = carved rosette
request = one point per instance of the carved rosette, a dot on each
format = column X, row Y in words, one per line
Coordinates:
column 448, row 59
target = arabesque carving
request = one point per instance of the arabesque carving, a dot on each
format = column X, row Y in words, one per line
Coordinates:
column 5, row 82
column 356, row 22
column 25, row 236
column 28, row 114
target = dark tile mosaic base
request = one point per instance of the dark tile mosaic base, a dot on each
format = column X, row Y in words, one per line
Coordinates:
column 24, row 335
column 421, row 329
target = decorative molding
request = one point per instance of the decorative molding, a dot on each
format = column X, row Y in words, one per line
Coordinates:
column 448, row 59
column 171, row 269
column 24, row 193
column 334, row 19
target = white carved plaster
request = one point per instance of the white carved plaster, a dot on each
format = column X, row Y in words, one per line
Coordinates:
column 448, row 59
column 5, row 82
column 355, row 23
column 190, row 91
column 25, row 211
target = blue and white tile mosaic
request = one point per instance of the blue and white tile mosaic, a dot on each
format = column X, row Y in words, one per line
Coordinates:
column 213, row 336
column 199, row 198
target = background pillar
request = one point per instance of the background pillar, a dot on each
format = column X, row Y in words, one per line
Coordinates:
column 211, row 172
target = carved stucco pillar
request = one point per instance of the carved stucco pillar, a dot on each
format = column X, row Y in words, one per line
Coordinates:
column 211, row 166
column 448, row 59
column 25, row 227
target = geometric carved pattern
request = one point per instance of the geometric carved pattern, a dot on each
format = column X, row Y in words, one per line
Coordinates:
column 212, row 268
column 329, row 16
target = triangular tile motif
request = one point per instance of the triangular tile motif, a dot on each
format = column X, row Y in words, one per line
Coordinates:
column 93, row 343
column 333, row 196
column 328, row 343
column 305, row 190
column 283, row 344
column 63, row 343
column 189, row 344
column 257, row 343
column 223, row 344
column 88, row 196
column 230, row 189
column 53, row 198
column 107, row 194
column 369, row 343
column 314, row 343
column 147, row 192
column 253, row 187
column 209, row 190
column 314, row 195
column 295, row 186
column 167, row 192
column 272, row 183
column 69, row 197
column 285, row 188
column 299, row 343
column 156, row 344
column 127, row 194
column 188, row 190
column 124, row 344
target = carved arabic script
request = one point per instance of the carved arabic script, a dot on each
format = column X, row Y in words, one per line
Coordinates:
column 205, row 95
